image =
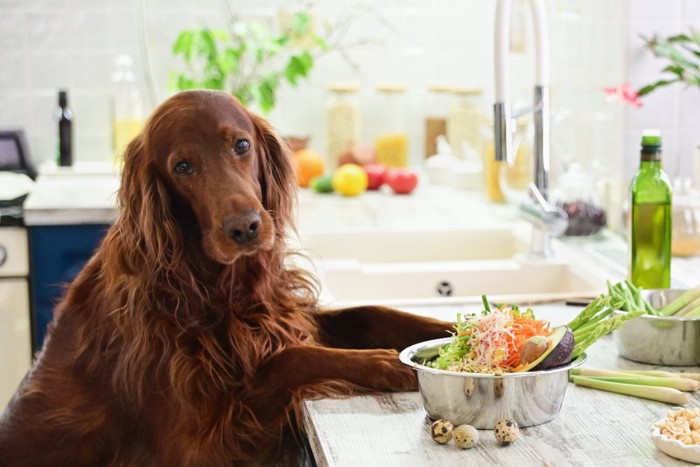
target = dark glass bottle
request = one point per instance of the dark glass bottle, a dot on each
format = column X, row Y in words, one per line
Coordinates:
column 64, row 115
column 650, row 226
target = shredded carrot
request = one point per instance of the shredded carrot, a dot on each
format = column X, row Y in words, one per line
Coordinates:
column 522, row 328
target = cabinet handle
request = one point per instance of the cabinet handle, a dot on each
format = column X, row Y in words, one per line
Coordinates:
column 3, row 255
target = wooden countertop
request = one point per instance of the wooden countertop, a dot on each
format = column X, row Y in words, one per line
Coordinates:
column 594, row 428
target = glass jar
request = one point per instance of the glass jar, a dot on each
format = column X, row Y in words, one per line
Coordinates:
column 343, row 120
column 437, row 105
column 577, row 194
column 391, row 142
column 685, row 236
column 464, row 123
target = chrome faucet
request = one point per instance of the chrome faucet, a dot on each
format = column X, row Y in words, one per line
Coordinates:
column 546, row 218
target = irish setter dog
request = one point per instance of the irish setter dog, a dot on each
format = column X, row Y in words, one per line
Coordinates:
column 188, row 338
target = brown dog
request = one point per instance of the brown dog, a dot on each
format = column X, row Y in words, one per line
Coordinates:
column 187, row 339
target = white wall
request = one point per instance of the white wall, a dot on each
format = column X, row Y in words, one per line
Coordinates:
column 676, row 109
column 47, row 44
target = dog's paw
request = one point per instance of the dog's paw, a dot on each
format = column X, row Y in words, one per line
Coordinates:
column 388, row 373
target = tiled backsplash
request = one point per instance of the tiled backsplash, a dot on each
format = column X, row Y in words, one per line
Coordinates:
column 50, row 44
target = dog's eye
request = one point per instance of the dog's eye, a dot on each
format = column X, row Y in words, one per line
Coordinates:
column 241, row 146
column 183, row 168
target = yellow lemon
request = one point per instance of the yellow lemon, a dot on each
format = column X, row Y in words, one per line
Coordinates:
column 349, row 180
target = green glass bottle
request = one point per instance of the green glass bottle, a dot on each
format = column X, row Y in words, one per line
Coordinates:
column 650, row 226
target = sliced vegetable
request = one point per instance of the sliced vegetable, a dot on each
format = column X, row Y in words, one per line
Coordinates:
column 559, row 346
column 661, row 394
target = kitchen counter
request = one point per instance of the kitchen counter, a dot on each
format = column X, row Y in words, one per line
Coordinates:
column 594, row 428
column 84, row 194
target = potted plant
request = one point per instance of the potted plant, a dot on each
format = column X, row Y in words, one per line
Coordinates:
column 682, row 51
column 252, row 59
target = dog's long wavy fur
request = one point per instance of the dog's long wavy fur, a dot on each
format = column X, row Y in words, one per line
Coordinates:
column 160, row 354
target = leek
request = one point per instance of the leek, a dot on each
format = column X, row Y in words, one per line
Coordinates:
column 682, row 384
column 689, row 308
column 661, row 394
column 655, row 373
column 667, row 374
column 684, row 299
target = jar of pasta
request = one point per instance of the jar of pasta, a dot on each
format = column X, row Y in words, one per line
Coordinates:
column 343, row 120
column 437, row 105
column 464, row 123
column 391, row 142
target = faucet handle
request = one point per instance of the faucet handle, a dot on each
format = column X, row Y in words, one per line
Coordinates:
column 540, row 198
column 543, row 214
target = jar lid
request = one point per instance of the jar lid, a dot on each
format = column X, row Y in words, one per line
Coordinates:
column 391, row 87
column 342, row 87
column 439, row 87
column 466, row 91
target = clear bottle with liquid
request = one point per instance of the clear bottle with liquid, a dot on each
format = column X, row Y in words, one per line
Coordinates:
column 650, row 223
column 127, row 106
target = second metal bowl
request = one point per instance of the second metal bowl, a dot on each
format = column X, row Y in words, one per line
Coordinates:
column 660, row 340
column 530, row 398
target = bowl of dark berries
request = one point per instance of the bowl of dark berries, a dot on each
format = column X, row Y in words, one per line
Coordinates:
column 585, row 218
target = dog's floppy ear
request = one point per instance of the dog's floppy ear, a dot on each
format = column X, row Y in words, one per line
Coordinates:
column 277, row 173
column 146, row 222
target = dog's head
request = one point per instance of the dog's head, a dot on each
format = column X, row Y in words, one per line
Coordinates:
column 204, row 162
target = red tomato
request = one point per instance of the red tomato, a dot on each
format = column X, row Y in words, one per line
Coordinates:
column 376, row 174
column 402, row 181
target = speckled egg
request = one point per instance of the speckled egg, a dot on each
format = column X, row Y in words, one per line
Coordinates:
column 506, row 431
column 441, row 431
column 465, row 436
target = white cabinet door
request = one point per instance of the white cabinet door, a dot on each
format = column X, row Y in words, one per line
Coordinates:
column 14, row 253
column 15, row 340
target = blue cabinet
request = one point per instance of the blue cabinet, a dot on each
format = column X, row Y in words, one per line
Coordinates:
column 57, row 254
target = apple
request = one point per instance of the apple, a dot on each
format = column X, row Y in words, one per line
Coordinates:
column 402, row 181
column 376, row 174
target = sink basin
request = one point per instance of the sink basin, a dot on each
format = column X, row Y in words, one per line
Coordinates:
column 347, row 283
column 425, row 245
column 430, row 266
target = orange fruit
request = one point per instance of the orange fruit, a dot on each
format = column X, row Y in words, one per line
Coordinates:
column 309, row 165
column 350, row 180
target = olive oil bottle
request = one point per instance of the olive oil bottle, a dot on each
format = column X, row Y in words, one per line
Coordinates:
column 650, row 226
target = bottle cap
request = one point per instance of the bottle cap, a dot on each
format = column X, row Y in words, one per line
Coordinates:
column 62, row 98
column 651, row 145
column 651, row 138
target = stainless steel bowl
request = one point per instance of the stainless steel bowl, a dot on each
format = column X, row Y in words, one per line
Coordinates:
column 656, row 340
column 530, row 398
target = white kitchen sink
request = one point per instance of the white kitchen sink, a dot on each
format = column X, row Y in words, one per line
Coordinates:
column 431, row 266
column 516, row 280
column 419, row 245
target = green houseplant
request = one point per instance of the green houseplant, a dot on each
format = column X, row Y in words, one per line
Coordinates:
column 252, row 59
column 681, row 51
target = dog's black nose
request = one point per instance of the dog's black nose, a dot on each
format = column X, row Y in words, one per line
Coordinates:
column 243, row 227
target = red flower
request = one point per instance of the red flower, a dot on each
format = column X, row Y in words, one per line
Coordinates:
column 624, row 94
